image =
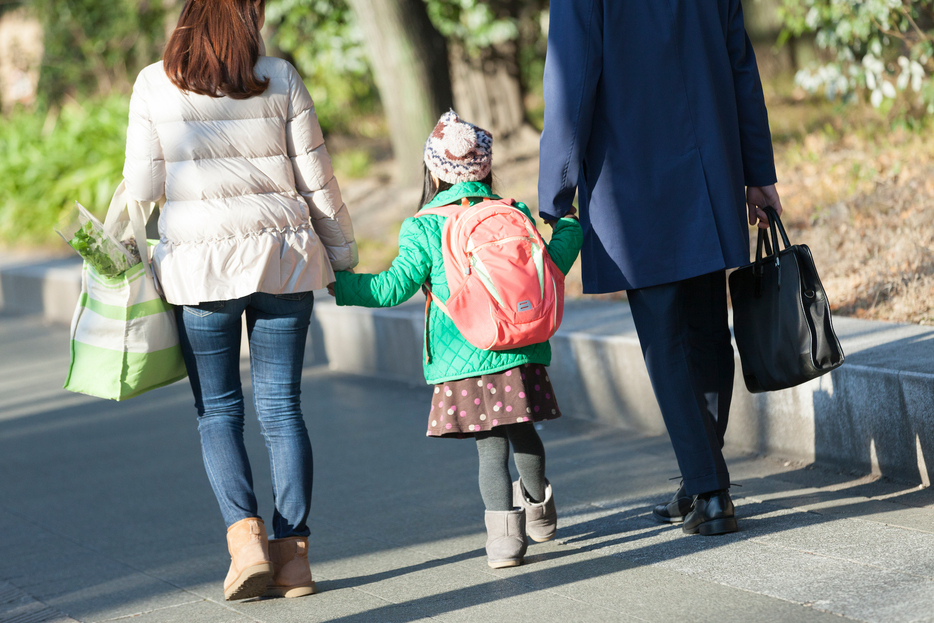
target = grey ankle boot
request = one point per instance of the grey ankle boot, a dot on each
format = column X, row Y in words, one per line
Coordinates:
column 505, row 538
column 541, row 519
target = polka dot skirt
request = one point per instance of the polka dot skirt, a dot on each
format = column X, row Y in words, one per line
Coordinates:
column 465, row 406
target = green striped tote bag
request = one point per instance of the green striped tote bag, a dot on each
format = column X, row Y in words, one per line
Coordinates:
column 124, row 341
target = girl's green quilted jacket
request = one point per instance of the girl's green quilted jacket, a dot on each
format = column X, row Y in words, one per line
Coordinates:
column 448, row 355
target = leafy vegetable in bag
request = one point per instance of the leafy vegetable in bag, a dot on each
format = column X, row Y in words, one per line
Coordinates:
column 87, row 236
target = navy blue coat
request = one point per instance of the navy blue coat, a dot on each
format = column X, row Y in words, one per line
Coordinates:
column 654, row 113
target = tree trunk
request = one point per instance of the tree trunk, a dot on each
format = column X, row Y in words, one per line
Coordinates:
column 487, row 91
column 409, row 61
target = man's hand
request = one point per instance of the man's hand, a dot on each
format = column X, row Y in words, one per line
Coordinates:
column 551, row 223
column 757, row 197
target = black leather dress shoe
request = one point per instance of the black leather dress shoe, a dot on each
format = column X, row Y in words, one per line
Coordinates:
column 713, row 514
column 675, row 510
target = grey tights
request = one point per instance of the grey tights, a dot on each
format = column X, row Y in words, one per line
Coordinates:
column 529, row 454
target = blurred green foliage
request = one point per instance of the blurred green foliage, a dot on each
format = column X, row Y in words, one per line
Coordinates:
column 326, row 45
column 51, row 160
column 352, row 163
column 476, row 24
column 96, row 46
column 480, row 24
column 321, row 37
column 881, row 49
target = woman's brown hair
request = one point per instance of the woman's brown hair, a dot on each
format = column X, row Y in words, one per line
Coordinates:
column 214, row 48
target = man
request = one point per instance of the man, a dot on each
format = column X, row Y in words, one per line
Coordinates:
column 654, row 115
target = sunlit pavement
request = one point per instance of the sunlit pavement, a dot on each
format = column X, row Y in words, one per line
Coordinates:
column 106, row 513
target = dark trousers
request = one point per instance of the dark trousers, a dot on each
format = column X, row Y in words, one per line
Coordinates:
column 685, row 338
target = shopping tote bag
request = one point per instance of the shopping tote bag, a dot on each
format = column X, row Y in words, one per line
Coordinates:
column 124, row 340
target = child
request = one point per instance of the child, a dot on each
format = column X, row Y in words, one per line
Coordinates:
column 493, row 396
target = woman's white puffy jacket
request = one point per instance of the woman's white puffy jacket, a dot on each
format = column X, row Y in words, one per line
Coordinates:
column 252, row 204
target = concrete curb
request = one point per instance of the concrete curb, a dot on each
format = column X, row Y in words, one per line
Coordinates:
column 874, row 414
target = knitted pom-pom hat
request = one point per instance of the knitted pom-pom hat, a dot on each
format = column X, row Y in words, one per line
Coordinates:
column 458, row 151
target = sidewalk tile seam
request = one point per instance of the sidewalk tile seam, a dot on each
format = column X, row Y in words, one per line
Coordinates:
column 379, row 597
column 142, row 612
column 701, row 579
column 16, row 599
column 804, row 604
column 555, row 593
column 230, row 607
column 891, row 525
column 101, row 554
column 802, row 509
column 841, row 559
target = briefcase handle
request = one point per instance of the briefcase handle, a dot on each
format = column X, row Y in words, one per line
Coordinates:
column 775, row 229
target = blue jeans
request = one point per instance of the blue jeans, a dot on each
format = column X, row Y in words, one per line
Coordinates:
column 277, row 327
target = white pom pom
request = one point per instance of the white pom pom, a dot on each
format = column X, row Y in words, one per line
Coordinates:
column 459, row 139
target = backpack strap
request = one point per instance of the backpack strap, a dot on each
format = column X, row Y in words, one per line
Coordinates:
column 429, row 297
column 444, row 211
column 454, row 208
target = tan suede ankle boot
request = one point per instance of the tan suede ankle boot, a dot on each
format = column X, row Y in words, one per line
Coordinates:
column 250, row 567
column 291, row 574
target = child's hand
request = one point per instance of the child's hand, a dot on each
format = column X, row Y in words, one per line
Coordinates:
column 331, row 285
column 572, row 213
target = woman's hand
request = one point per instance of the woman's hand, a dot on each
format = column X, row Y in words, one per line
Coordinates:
column 758, row 197
column 331, row 285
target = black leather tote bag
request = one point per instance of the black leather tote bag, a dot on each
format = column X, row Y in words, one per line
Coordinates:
column 781, row 317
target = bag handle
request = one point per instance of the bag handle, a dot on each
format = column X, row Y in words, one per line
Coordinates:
column 772, row 249
column 138, row 215
column 117, row 204
column 776, row 229
column 775, row 222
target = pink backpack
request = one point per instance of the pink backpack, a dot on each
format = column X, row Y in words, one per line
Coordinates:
column 506, row 292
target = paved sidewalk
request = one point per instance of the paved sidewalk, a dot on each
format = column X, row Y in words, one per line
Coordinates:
column 874, row 414
column 105, row 514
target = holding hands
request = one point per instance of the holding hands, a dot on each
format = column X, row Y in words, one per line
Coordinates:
column 571, row 213
column 331, row 285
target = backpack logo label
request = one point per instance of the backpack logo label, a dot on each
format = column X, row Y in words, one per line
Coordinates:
column 524, row 306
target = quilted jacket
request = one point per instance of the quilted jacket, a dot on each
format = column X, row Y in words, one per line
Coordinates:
column 448, row 355
column 252, row 204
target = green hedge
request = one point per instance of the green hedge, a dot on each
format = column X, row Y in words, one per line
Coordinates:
column 50, row 160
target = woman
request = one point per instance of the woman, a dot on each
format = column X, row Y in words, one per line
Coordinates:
column 253, row 222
